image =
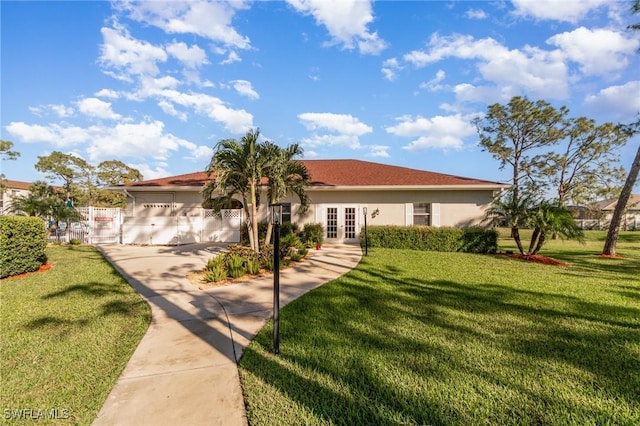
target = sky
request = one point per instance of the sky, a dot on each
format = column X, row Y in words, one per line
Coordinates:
column 157, row 84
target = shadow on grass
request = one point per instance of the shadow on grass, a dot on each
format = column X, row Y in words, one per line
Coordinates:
column 94, row 288
column 350, row 332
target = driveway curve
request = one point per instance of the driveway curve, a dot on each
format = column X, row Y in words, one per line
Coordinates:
column 184, row 371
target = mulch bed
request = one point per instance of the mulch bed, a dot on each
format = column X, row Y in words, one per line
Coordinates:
column 536, row 258
column 610, row 256
column 42, row 268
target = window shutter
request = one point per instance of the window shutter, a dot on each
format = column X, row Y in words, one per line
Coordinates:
column 435, row 214
column 408, row 210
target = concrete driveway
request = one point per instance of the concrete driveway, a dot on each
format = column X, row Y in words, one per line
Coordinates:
column 184, row 371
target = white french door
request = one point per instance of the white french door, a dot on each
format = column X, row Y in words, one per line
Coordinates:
column 341, row 223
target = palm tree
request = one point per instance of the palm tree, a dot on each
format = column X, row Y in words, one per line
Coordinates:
column 238, row 169
column 515, row 212
column 548, row 218
column 285, row 174
column 31, row 205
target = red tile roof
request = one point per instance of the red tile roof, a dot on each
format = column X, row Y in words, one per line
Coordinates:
column 16, row 184
column 326, row 173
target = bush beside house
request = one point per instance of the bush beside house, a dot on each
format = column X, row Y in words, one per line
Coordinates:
column 22, row 245
column 427, row 238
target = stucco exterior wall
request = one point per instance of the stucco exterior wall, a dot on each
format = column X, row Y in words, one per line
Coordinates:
column 456, row 208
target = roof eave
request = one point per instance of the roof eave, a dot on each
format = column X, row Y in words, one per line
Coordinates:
column 494, row 187
column 152, row 188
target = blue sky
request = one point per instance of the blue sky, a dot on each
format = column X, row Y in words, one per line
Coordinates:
column 157, row 84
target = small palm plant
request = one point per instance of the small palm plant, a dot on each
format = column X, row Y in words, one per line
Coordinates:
column 551, row 219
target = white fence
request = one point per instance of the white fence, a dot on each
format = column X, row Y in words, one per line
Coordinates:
column 104, row 225
column 628, row 224
column 100, row 225
column 177, row 230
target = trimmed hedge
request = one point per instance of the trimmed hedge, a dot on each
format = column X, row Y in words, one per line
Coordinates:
column 22, row 245
column 469, row 240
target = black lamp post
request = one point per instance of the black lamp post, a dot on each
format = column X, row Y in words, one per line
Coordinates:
column 276, row 217
column 366, row 241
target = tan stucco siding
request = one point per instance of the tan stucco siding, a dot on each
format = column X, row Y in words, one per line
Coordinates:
column 457, row 208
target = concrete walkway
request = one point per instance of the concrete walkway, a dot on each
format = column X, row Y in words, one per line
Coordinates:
column 184, row 371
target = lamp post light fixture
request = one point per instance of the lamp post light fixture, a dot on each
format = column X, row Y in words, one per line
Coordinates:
column 276, row 218
column 366, row 241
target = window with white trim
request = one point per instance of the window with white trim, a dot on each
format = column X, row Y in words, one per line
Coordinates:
column 422, row 214
column 286, row 213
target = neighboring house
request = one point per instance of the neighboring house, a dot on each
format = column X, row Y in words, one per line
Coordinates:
column 169, row 210
column 12, row 189
column 631, row 218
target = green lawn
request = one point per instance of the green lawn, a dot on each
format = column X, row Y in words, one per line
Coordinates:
column 67, row 333
column 451, row 338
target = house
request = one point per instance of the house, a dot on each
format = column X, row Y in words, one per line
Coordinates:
column 631, row 217
column 12, row 189
column 169, row 210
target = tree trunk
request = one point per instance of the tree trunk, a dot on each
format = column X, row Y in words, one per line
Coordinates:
column 534, row 240
column 254, row 220
column 614, row 226
column 541, row 241
column 515, row 233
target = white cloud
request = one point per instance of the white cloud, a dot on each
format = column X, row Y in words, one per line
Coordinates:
column 441, row 132
column 200, row 153
column 170, row 109
column 94, row 107
column 598, row 51
column 622, row 100
column 191, row 57
column 60, row 110
column 380, row 151
column 128, row 56
column 475, row 14
column 348, row 141
column 107, row 93
column 531, row 70
column 340, row 123
column 145, row 139
column 231, row 58
column 347, row 22
column 434, row 84
column 557, row 10
column 245, row 88
column 212, row 20
column 335, row 129
column 390, row 68
column 234, row 120
column 150, row 172
column 54, row 134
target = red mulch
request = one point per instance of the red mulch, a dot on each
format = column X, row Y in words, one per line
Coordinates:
column 42, row 268
column 537, row 258
column 610, row 256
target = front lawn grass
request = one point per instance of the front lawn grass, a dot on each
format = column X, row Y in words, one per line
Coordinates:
column 67, row 334
column 452, row 338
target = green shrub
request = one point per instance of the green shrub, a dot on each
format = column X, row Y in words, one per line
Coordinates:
column 22, row 245
column 235, row 265
column 75, row 242
column 216, row 269
column 288, row 244
column 253, row 266
column 474, row 240
column 266, row 255
column 312, row 233
column 296, row 256
column 268, row 265
column 303, row 251
column 479, row 240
